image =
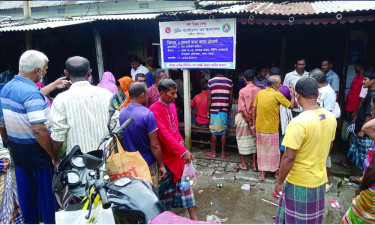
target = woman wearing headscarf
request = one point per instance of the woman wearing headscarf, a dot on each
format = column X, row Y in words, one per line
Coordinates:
column 10, row 211
column 108, row 82
column 125, row 83
column 150, row 63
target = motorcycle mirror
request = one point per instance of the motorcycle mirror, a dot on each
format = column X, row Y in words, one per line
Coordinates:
column 116, row 102
column 93, row 159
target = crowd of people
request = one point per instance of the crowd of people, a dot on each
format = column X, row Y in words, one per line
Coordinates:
column 288, row 127
column 289, row 130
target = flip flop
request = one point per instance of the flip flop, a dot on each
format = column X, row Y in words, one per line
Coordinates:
column 355, row 179
column 239, row 166
column 210, row 154
column 341, row 164
column 225, row 155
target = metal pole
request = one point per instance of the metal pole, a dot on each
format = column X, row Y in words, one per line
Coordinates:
column 99, row 54
column 187, row 109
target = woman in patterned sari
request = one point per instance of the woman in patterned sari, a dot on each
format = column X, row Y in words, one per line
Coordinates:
column 362, row 210
column 10, row 211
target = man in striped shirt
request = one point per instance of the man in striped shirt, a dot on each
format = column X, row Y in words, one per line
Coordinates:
column 80, row 114
column 26, row 111
column 219, row 104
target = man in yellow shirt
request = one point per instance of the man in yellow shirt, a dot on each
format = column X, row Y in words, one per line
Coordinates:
column 266, row 117
column 308, row 139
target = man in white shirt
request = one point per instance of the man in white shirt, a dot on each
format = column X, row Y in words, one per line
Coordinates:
column 292, row 78
column 327, row 100
column 80, row 114
column 136, row 65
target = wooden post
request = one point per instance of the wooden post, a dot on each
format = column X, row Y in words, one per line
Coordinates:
column 187, row 109
column 26, row 10
column 99, row 54
column 283, row 54
column 27, row 19
column 29, row 40
column 343, row 79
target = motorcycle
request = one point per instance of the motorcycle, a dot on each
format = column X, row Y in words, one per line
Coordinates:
column 82, row 177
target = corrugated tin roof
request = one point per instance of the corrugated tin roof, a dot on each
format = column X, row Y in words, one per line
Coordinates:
column 19, row 4
column 52, row 23
column 216, row 3
column 315, row 21
column 120, row 17
column 41, row 26
column 287, row 8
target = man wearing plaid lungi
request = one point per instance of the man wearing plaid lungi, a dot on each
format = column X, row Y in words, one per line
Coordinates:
column 302, row 178
column 361, row 142
column 175, row 155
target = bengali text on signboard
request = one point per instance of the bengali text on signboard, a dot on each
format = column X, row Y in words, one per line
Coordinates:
column 198, row 44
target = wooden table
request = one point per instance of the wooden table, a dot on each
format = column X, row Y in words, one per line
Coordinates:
column 231, row 133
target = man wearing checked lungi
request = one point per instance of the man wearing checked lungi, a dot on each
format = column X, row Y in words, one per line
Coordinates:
column 302, row 178
column 174, row 153
column 266, row 118
column 246, row 139
column 219, row 104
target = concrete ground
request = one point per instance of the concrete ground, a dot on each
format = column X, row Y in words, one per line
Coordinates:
column 231, row 204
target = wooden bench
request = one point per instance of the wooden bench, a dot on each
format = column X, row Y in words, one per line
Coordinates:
column 230, row 133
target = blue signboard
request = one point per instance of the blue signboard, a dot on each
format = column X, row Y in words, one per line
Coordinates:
column 198, row 44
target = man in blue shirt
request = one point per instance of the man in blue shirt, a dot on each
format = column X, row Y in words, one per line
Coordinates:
column 332, row 77
column 26, row 111
column 141, row 134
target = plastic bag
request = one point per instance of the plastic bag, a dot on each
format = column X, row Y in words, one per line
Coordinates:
column 126, row 163
column 98, row 216
column 189, row 177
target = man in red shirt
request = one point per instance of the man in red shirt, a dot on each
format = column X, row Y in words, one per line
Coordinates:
column 200, row 104
column 174, row 153
column 353, row 102
column 355, row 89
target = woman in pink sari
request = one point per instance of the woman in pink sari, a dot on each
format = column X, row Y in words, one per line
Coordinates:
column 108, row 82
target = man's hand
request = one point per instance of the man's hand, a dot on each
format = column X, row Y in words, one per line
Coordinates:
column 187, row 157
column 278, row 188
column 291, row 88
column 61, row 83
column 56, row 163
column 162, row 171
column 252, row 128
column 246, row 119
column 4, row 134
column 208, row 115
column 354, row 117
column 360, row 134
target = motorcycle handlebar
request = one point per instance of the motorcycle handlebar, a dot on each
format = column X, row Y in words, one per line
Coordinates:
column 126, row 123
column 119, row 131
column 99, row 186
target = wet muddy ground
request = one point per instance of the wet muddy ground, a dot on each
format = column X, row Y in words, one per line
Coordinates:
column 231, row 204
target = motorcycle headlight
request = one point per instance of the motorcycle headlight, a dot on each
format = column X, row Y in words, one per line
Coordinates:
column 72, row 178
column 77, row 161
